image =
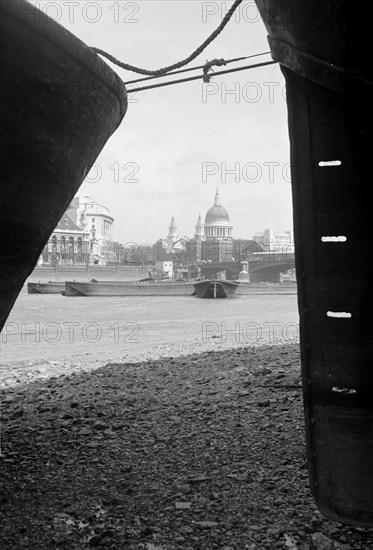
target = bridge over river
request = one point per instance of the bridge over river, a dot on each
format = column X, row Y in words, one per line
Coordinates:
column 263, row 266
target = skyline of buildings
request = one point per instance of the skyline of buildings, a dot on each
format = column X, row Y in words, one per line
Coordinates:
column 156, row 163
column 85, row 234
column 213, row 240
column 269, row 238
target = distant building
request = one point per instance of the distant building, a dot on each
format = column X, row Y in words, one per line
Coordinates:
column 274, row 241
column 217, row 225
column 172, row 236
column 95, row 218
column 218, row 245
column 167, row 268
column 199, row 233
column 173, row 246
column 213, row 241
column 161, row 251
column 69, row 244
column 244, row 248
column 193, row 247
column 83, row 235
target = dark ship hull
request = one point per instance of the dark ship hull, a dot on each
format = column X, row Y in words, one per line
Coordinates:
column 329, row 82
column 62, row 104
column 215, row 289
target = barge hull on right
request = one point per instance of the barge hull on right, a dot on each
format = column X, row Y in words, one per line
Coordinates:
column 321, row 46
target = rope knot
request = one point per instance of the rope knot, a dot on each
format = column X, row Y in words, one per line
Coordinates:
column 208, row 67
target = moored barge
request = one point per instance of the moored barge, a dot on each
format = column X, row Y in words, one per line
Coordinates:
column 113, row 288
column 45, row 288
column 215, row 289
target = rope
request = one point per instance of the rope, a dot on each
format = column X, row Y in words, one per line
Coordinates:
column 196, row 53
column 161, row 84
column 234, row 60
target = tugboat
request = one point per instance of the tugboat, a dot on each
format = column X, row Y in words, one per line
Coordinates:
column 215, row 289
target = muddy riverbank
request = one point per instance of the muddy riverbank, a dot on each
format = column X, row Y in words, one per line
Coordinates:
column 167, row 451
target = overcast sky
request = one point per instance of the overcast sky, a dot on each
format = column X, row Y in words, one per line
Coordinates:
column 176, row 144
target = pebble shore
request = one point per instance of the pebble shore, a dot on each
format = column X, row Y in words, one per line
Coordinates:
column 191, row 447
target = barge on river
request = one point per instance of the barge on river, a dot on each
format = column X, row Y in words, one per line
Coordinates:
column 265, row 288
column 215, row 289
column 136, row 288
column 45, row 288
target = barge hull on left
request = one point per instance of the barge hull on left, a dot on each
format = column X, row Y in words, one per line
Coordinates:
column 62, row 105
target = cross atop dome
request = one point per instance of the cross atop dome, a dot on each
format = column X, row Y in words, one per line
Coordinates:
column 217, row 197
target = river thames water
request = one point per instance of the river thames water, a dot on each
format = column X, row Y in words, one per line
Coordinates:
column 54, row 326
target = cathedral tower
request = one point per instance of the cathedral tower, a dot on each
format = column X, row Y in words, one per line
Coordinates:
column 200, row 231
column 172, row 235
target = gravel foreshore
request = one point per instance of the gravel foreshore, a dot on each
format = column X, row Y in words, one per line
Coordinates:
column 189, row 448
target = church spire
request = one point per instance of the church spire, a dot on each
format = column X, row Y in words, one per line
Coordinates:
column 199, row 233
column 172, row 236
